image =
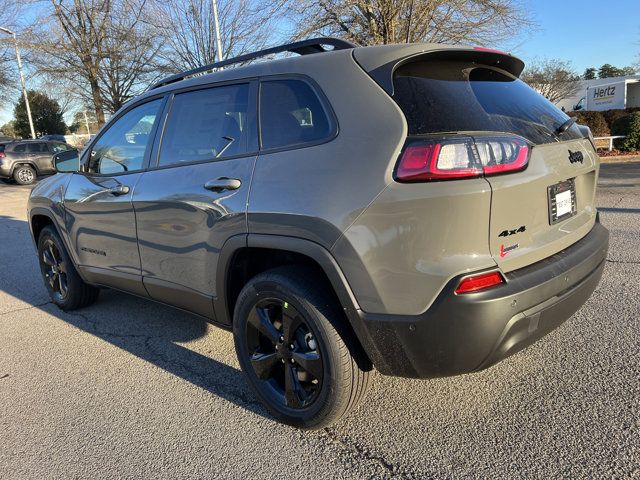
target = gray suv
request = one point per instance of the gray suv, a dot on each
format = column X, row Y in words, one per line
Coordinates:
column 23, row 161
column 413, row 208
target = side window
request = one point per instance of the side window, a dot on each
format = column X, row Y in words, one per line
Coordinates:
column 122, row 147
column 19, row 148
column 37, row 147
column 209, row 124
column 291, row 114
column 59, row 147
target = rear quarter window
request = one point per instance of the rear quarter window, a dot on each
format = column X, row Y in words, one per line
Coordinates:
column 453, row 96
column 292, row 115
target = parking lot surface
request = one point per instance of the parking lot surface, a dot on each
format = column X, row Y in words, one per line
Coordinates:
column 131, row 389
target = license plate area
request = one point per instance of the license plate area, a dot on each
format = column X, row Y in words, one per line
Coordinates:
column 562, row 201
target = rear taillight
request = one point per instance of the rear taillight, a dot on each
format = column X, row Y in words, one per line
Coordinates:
column 461, row 157
column 2, row 155
column 479, row 282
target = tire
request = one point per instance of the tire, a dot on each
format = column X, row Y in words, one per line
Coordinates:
column 24, row 175
column 289, row 299
column 58, row 271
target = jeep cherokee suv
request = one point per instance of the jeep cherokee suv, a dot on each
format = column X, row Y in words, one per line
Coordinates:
column 23, row 161
column 413, row 208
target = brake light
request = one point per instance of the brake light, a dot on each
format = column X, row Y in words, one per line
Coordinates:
column 479, row 282
column 2, row 155
column 490, row 50
column 461, row 157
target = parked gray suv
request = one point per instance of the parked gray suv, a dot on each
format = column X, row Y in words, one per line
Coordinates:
column 413, row 208
column 22, row 161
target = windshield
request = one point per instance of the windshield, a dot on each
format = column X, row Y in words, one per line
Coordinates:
column 453, row 96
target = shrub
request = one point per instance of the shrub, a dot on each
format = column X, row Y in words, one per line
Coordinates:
column 594, row 120
column 629, row 126
column 611, row 116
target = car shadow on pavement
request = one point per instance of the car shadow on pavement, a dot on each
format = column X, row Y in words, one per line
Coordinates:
column 148, row 330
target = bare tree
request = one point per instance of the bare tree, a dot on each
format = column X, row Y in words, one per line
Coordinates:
column 8, row 73
column 187, row 27
column 100, row 52
column 371, row 22
column 555, row 79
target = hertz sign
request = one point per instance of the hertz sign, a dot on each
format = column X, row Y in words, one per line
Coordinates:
column 605, row 97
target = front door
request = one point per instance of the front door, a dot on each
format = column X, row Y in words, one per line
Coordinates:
column 195, row 197
column 99, row 214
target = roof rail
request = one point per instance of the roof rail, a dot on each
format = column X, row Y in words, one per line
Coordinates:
column 304, row 47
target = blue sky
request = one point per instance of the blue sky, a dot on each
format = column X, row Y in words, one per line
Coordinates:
column 585, row 32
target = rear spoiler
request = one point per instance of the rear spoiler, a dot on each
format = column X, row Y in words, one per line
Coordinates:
column 382, row 61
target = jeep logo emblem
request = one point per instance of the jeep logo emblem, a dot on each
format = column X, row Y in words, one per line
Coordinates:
column 575, row 157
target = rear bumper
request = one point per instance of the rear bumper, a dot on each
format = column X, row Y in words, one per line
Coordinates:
column 470, row 332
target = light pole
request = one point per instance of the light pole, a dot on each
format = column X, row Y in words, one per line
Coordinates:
column 24, row 87
column 217, row 30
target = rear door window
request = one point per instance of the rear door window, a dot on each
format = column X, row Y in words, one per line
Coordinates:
column 20, row 148
column 453, row 96
column 209, row 124
column 291, row 114
column 37, row 148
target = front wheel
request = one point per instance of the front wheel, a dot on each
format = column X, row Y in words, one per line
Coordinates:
column 295, row 347
column 66, row 289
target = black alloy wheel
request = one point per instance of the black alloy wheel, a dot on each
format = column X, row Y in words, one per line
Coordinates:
column 296, row 348
column 284, row 353
column 55, row 270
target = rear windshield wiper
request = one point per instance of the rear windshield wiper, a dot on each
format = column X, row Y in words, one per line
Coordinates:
column 566, row 125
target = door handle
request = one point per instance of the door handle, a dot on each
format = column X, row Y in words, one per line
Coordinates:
column 223, row 183
column 119, row 190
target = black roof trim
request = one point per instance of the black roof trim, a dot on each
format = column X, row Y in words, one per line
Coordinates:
column 304, row 47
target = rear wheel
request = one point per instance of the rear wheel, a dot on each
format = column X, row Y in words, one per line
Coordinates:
column 292, row 344
column 24, row 175
column 66, row 289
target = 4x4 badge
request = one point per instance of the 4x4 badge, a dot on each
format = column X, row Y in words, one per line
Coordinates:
column 507, row 233
column 575, row 157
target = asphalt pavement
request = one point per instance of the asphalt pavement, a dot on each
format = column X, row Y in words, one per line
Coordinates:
column 131, row 389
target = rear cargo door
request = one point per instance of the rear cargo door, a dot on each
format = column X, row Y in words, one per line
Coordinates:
column 545, row 208
column 537, row 211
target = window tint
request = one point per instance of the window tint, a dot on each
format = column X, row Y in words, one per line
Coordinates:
column 122, row 147
column 37, row 148
column 209, row 124
column 20, row 148
column 290, row 114
column 450, row 96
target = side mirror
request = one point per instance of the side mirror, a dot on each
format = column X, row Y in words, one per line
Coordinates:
column 68, row 161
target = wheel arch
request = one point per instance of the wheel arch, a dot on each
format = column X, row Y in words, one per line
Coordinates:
column 19, row 163
column 239, row 253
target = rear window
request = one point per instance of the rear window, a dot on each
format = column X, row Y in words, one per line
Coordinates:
column 453, row 96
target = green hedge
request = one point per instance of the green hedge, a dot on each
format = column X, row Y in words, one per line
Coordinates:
column 629, row 126
column 594, row 120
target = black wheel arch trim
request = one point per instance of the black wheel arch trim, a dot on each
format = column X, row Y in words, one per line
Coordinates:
column 316, row 252
column 41, row 211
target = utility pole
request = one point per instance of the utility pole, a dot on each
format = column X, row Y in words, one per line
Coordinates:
column 217, row 30
column 24, row 87
column 86, row 122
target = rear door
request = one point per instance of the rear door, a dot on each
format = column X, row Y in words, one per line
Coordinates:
column 38, row 153
column 195, row 196
column 535, row 212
